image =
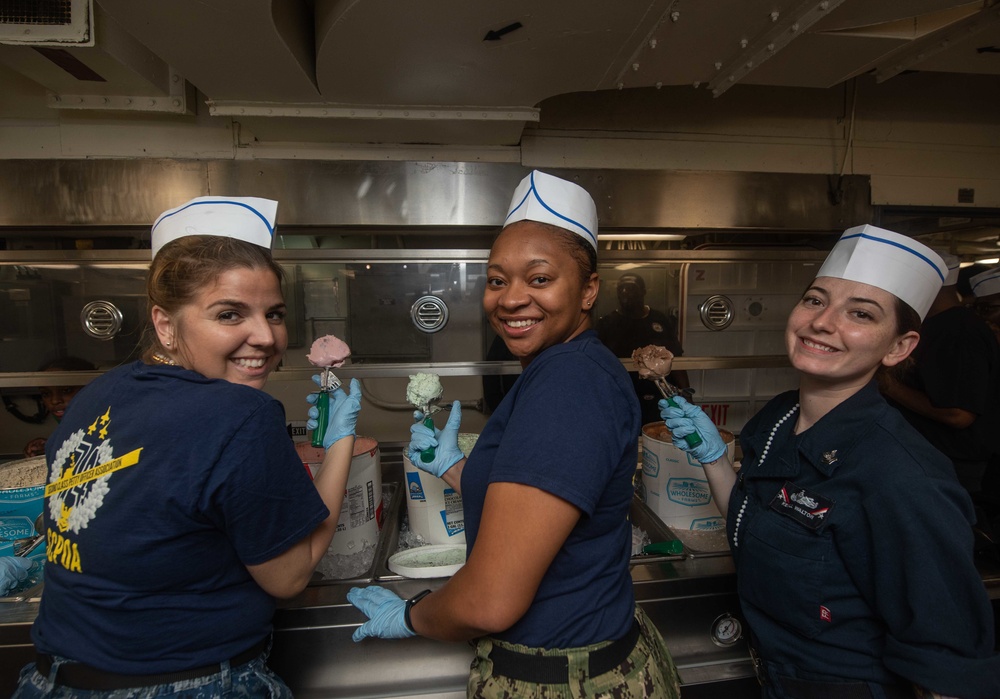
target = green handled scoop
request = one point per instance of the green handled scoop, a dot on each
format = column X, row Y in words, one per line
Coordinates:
column 328, row 384
column 669, row 391
column 427, row 455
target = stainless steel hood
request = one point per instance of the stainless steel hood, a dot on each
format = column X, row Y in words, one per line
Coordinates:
column 131, row 193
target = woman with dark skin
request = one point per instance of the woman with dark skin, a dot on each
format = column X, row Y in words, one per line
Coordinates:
column 546, row 590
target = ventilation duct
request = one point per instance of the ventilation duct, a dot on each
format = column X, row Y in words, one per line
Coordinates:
column 47, row 22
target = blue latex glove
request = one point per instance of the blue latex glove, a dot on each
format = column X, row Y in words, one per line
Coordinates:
column 385, row 612
column 13, row 571
column 445, row 441
column 688, row 419
column 343, row 414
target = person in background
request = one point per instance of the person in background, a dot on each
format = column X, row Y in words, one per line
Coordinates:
column 545, row 592
column 985, row 293
column 841, row 505
column 633, row 325
column 950, row 390
column 177, row 508
column 55, row 399
column 985, row 288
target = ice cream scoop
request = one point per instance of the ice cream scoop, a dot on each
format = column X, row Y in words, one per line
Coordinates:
column 327, row 352
column 653, row 363
column 422, row 392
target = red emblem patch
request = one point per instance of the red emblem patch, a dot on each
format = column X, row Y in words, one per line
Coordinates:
column 824, row 614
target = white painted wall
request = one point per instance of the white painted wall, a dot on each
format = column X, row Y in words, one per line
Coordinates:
column 919, row 136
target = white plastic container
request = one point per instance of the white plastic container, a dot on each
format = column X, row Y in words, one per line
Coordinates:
column 434, row 508
column 675, row 483
column 361, row 513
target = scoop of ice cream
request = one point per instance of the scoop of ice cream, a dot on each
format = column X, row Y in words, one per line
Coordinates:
column 328, row 350
column 423, row 389
column 652, row 361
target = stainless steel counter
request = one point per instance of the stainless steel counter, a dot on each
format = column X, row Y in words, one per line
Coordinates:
column 691, row 597
column 683, row 593
column 314, row 652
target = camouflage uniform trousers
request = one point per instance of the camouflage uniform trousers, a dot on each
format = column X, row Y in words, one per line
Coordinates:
column 647, row 672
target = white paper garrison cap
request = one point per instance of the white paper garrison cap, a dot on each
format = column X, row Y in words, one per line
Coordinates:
column 986, row 283
column 953, row 264
column 548, row 199
column 908, row 270
column 244, row 218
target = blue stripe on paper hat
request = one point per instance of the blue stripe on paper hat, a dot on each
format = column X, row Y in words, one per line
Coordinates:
column 549, row 199
column 909, row 270
column 986, row 283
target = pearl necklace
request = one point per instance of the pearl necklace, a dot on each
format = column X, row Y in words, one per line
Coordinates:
column 763, row 455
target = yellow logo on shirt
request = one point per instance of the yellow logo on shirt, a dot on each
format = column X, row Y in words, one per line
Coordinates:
column 79, row 479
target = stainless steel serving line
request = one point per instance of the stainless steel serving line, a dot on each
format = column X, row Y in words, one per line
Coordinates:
column 690, row 596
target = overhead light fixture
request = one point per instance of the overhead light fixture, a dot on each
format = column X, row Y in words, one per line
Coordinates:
column 329, row 110
column 988, row 261
column 640, row 236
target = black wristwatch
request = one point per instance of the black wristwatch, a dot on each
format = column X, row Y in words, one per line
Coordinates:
column 409, row 603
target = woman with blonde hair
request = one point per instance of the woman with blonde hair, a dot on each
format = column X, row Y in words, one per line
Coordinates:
column 177, row 508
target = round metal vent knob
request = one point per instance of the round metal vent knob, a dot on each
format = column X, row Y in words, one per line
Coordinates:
column 101, row 319
column 429, row 314
column 717, row 312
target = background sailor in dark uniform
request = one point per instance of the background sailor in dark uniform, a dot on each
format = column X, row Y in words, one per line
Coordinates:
column 634, row 324
column 950, row 391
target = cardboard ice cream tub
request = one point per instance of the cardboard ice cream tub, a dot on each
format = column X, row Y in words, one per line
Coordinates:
column 675, row 482
column 22, row 498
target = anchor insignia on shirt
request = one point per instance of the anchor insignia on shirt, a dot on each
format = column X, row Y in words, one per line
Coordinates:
column 830, row 457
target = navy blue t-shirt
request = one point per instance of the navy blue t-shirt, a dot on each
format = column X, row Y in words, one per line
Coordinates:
column 570, row 427
column 163, row 487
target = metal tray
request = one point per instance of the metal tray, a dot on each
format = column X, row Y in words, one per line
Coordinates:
column 639, row 513
column 642, row 516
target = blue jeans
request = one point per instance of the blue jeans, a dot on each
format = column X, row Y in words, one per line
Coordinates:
column 250, row 680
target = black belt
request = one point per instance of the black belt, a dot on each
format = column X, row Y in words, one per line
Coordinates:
column 554, row 669
column 813, row 689
column 80, row 676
